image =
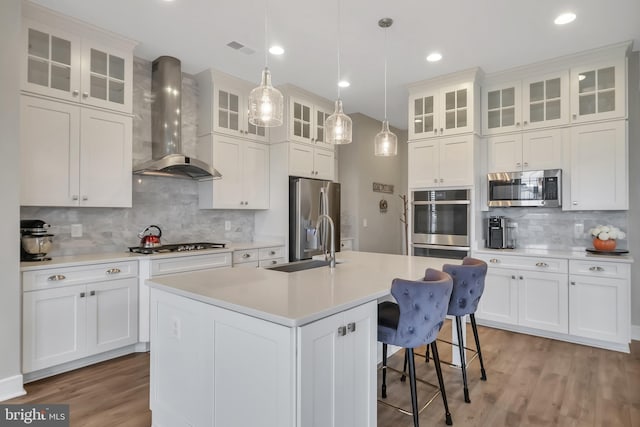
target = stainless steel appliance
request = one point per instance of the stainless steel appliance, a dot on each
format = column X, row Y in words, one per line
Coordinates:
column 308, row 199
column 440, row 223
column 35, row 240
column 178, row 247
column 541, row 188
column 499, row 233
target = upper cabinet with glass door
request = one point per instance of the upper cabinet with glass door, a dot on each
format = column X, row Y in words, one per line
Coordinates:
column 441, row 112
column 66, row 60
column 224, row 106
column 306, row 121
column 598, row 91
column 532, row 103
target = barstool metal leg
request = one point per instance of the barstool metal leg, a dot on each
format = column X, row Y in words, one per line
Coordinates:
column 384, row 370
column 436, row 363
column 426, row 354
column 463, row 362
column 403, row 378
column 412, row 385
column 475, row 335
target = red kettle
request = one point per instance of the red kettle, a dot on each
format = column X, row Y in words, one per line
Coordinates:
column 149, row 238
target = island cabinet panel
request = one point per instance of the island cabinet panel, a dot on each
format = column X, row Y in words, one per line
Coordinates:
column 337, row 376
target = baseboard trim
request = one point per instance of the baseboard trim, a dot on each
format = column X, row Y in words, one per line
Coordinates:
column 11, row 387
column 635, row 332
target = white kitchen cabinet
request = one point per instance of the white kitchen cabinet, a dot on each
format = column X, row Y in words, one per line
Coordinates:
column 73, row 156
column 67, row 60
column 599, row 294
column 537, row 150
column 259, row 257
column 530, row 103
column 306, row 121
column 74, row 312
column 525, row 291
column 311, row 162
column 599, row 177
column 442, row 162
column 441, row 111
column 598, row 90
column 244, row 166
column 338, row 369
column 224, row 106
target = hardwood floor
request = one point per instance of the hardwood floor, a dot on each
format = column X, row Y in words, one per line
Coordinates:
column 531, row 382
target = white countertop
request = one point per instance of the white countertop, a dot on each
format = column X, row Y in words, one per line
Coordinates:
column 295, row 299
column 85, row 259
column 577, row 255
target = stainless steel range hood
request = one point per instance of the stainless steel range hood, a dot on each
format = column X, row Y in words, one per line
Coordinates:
column 166, row 124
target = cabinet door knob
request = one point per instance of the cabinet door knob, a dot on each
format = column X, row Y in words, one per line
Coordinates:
column 74, row 197
column 517, row 124
column 542, row 264
column 526, row 164
column 351, row 327
column 92, row 293
column 573, row 283
column 113, row 271
column 85, row 198
column 575, row 203
column 441, row 180
column 513, row 277
column 342, row 331
column 518, row 164
column 82, row 294
column 596, row 268
column 520, row 277
column 274, row 262
column 56, row 277
column 75, row 93
column 526, row 123
column 575, row 116
column 85, row 95
column 272, row 252
column 435, row 180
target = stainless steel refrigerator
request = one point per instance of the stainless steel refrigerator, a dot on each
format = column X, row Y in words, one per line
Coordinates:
column 309, row 198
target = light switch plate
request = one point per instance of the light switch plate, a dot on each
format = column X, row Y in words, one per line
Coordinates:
column 76, row 230
column 227, row 225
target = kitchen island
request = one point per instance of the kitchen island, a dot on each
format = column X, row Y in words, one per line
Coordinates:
column 234, row 347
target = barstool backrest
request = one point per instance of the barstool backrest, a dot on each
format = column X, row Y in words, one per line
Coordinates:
column 468, row 285
column 423, row 307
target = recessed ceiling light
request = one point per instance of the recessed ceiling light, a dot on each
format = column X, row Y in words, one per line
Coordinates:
column 276, row 50
column 565, row 18
column 434, row 57
column 344, row 83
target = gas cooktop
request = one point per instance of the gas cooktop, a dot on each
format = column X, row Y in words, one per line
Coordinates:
column 178, row 247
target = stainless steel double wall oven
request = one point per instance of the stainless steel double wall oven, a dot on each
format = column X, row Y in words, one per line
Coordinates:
column 440, row 223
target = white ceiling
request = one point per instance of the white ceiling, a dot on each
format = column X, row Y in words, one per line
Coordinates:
column 492, row 34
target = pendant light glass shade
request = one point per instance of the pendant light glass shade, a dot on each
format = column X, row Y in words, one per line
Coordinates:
column 266, row 103
column 338, row 126
column 386, row 142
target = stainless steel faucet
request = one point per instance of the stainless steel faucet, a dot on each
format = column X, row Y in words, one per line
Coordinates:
column 332, row 256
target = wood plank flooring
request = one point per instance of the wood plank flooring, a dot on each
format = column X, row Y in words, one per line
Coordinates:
column 531, row 382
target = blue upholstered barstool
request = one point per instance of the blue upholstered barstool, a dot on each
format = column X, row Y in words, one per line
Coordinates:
column 413, row 321
column 468, row 285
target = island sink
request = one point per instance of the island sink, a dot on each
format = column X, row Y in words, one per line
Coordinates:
column 300, row 265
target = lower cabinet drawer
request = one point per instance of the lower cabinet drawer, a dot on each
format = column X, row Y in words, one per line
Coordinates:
column 246, row 255
column 598, row 268
column 183, row 264
column 69, row 276
column 250, row 264
column 272, row 253
column 270, row 262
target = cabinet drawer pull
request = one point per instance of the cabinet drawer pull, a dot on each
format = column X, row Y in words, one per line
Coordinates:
column 272, row 252
column 82, row 294
column 596, row 268
column 351, row 327
column 92, row 293
column 342, row 331
column 494, row 260
column 573, row 283
column 513, row 277
column 521, row 278
column 56, row 277
column 113, row 271
column 246, row 255
column 542, row 264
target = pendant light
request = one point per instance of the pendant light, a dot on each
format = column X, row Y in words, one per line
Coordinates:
column 266, row 102
column 386, row 142
column 338, row 125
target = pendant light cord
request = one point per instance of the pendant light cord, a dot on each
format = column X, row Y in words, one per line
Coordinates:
column 338, row 49
column 385, row 74
column 266, row 42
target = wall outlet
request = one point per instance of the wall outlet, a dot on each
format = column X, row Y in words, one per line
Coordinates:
column 578, row 230
column 227, row 225
column 76, row 230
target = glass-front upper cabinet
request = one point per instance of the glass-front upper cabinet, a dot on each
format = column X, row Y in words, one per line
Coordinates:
column 307, row 121
column 501, row 107
column 441, row 112
column 545, row 101
column 231, row 106
column 598, row 92
column 70, row 66
column 52, row 62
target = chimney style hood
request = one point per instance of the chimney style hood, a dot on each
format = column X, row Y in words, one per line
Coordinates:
column 166, row 124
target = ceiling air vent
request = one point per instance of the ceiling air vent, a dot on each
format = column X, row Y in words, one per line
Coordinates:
column 242, row 48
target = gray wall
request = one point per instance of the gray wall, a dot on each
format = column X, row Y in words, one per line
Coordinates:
column 358, row 170
column 634, row 186
column 9, row 193
column 170, row 203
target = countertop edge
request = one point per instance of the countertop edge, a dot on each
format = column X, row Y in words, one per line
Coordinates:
column 570, row 255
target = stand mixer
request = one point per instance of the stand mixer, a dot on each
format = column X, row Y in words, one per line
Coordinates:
column 35, row 242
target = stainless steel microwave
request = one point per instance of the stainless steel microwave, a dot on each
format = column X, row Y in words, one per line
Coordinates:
column 528, row 188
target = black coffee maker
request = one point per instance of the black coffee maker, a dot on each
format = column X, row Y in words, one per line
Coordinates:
column 498, row 233
column 35, row 241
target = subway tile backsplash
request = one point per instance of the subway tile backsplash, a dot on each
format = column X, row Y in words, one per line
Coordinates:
column 171, row 204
